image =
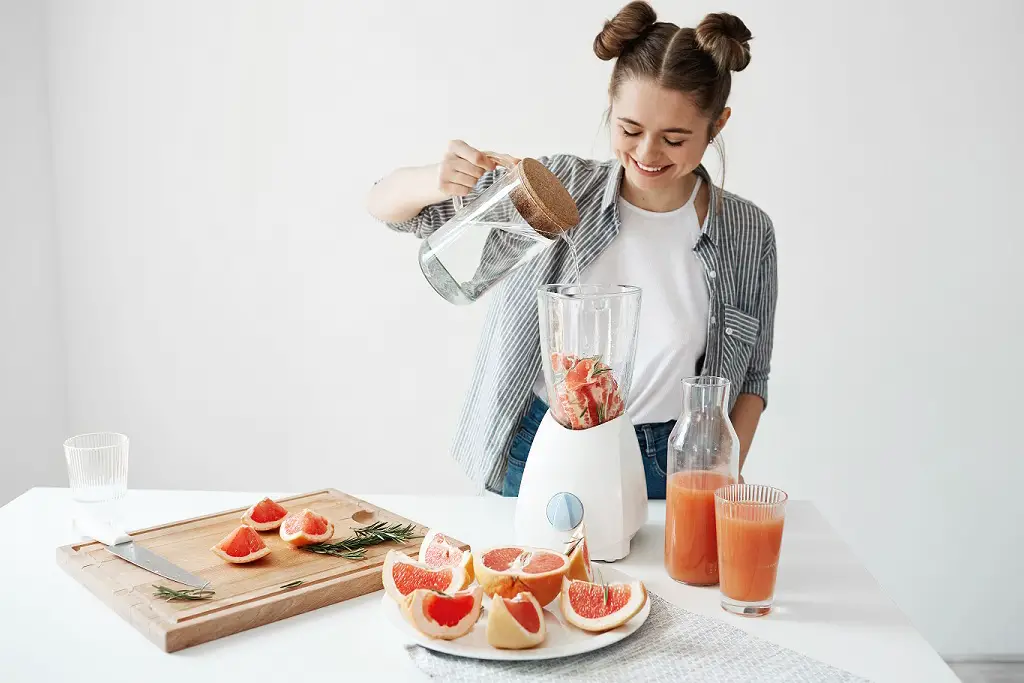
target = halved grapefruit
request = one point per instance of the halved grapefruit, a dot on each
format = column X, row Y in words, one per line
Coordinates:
column 402, row 575
column 439, row 615
column 306, row 527
column 241, row 545
column 515, row 624
column 595, row 607
column 507, row 571
column 264, row 515
column 438, row 550
column 579, row 556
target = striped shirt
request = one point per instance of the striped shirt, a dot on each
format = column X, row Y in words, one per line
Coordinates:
column 736, row 248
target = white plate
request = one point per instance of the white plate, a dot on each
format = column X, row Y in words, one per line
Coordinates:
column 563, row 640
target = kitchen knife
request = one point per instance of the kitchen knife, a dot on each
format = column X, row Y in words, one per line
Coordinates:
column 121, row 544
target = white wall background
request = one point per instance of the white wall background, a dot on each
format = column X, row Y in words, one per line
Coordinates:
column 32, row 366
column 229, row 304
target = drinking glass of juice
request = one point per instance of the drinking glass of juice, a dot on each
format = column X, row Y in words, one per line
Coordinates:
column 703, row 456
column 749, row 520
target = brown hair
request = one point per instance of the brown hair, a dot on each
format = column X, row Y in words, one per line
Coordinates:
column 695, row 61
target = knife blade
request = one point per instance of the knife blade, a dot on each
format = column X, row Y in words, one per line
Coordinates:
column 119, row 543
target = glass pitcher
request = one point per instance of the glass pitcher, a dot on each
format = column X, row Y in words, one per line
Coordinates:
column 523, row 212
column 703, row 456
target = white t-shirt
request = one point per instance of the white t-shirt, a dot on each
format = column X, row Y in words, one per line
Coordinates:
column 654, row 251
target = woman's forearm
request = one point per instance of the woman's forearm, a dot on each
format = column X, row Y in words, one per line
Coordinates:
column 746, row 413
column 404, row 192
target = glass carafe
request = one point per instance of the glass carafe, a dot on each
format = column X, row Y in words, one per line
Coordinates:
column 703, row 456
column 520, row 214
column 588, row 343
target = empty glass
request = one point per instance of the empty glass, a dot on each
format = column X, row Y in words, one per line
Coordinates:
column 749, row 519
column 97, row 466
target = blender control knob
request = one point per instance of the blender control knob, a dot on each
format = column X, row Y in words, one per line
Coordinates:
column 564, row 511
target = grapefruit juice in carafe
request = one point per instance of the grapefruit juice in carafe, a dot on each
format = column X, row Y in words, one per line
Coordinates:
column 703, row 456
column 691, row 548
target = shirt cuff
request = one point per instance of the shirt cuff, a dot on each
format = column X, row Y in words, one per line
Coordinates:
column 758, row 387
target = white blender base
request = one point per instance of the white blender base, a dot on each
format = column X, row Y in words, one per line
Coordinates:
column 602, row 467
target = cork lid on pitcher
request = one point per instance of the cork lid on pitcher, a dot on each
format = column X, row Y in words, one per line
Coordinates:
column 542, row 200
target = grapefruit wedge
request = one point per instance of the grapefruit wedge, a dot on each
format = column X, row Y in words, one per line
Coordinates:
column 241, row 545
column 595, row 607
column 515, row 624
column 439, row 615
column 438, row 550
column 402, row 575
column 305, row 528
column 507, row 571
column 579, row 556
column 265, row 515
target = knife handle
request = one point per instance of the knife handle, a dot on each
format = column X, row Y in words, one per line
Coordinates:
column 103, row 531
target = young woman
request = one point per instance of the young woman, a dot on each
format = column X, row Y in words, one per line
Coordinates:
column 651, row 217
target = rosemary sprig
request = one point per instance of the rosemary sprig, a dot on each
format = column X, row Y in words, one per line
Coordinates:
column 336, row 549
column 354, row 547
column 169, row 594
column 384, row 532
column 292, row 584
column 604, row 586
column 572, row 544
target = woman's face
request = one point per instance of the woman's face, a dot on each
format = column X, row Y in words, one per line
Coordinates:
column 658, row 135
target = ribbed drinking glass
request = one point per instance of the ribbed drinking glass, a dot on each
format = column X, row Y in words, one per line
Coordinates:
column 750, row 518
column 97, row 466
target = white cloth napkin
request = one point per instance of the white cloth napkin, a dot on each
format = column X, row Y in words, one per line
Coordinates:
column 672, row 645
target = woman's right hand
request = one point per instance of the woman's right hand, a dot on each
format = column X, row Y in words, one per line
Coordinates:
column 461, row 168
column 401, row 194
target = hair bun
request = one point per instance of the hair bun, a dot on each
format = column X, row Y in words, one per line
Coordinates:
column 628, row 25
column 727, row 39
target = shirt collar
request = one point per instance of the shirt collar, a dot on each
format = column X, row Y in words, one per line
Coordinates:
column 614, row 183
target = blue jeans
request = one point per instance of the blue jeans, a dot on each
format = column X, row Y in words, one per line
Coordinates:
column 653, row 440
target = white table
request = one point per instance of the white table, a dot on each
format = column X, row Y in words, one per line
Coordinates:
column 828, row 605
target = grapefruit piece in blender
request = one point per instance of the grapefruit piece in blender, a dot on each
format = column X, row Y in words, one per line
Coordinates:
column 264, row 515
column 507, row 571
column 440, row 615
column 241, row 545
column 599, row 607
column 438, row 550
column 305, row 528
column 517, row 623
column 402, row 575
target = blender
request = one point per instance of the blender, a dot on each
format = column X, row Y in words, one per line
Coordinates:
column 585, row 459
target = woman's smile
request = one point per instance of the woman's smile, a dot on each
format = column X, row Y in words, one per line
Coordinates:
column 647, row 169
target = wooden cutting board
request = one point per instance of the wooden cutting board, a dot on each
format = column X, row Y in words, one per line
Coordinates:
column 247, row 595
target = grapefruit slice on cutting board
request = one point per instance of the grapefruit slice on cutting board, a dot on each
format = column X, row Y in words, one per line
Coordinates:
column 306, row 528
column 265, row 515
column 241, row 545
